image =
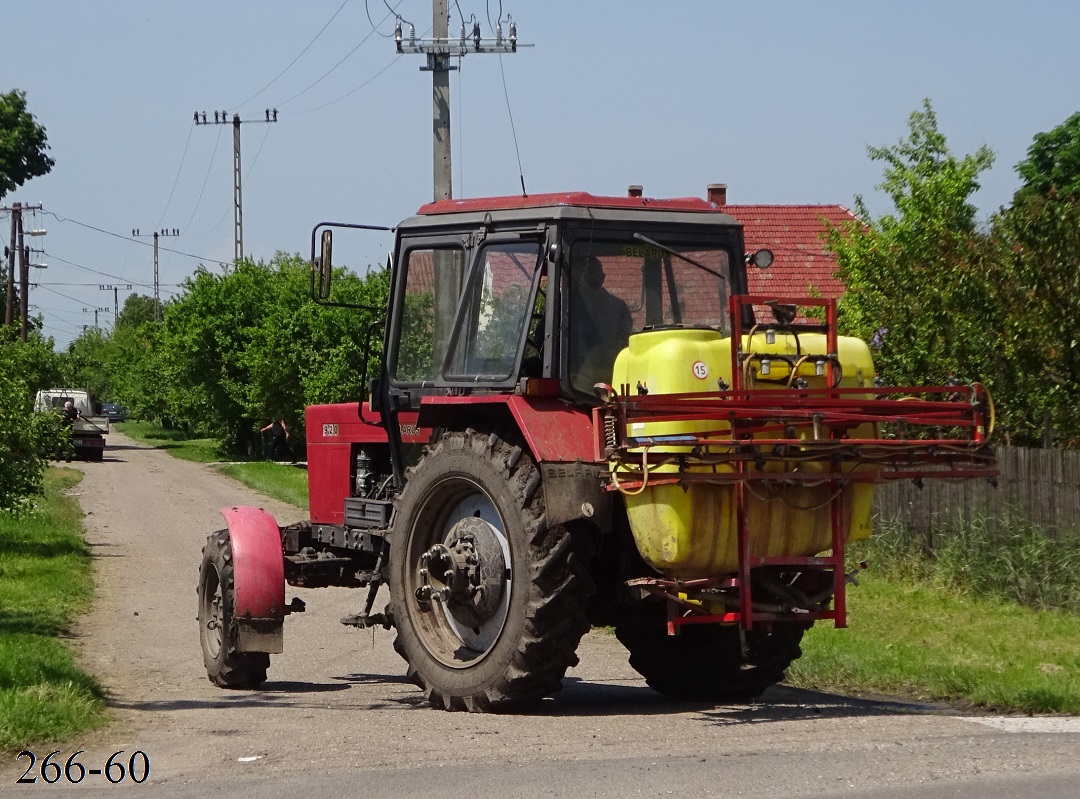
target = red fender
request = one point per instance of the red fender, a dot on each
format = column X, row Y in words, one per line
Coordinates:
column 259, row 578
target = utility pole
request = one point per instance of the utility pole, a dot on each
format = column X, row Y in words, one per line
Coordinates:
column 19, row 250
column 96, row 312
column 16, row 226
column 116, row 298
column 222, row 118
column 439, row 49
column 163, row 232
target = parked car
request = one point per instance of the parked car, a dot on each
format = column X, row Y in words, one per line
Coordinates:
column 114, row 412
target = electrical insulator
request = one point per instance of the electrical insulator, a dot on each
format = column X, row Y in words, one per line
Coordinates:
column 498, row 32
column 513, row 34
column 476, row 35
column 397, row 35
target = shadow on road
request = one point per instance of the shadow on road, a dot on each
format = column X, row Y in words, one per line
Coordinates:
column 580, row 698
column 275, row 695
column 100, row 549
column 577, row 699
column 114, row 447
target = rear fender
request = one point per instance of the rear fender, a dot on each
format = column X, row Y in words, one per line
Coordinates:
column 259, row 578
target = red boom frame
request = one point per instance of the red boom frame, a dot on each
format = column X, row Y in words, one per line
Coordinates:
column 935, row 432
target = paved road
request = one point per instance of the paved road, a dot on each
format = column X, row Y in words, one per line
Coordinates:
column 336, row 717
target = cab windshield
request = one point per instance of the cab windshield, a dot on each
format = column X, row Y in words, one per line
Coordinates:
column 619, row 287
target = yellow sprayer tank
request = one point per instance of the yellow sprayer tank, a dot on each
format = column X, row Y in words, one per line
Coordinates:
column 691, row 530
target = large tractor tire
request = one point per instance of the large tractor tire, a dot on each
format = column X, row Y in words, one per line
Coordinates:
column 225, row 666
column 488, row 599
column 708, row 662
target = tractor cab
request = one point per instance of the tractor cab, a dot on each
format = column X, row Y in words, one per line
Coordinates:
column 540, row 294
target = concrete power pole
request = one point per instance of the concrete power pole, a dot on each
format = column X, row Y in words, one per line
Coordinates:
column 18, row 250
column 157, row 233
column 16, row 226
column 222, row 118
column 24, row 282
column 439, row 49
column 116, row 297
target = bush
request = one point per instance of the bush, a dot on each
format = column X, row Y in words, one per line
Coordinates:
column 26, row 438
column 1005, row 558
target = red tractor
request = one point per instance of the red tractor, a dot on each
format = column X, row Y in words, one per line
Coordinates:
column 580, row 418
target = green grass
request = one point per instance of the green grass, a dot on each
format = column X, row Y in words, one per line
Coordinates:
column 1007, row 558
column 931, row 643
column 286, row 483
column 45, row 580
column 202, row 450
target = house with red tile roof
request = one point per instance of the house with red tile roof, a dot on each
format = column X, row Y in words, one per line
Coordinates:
column 795, row 233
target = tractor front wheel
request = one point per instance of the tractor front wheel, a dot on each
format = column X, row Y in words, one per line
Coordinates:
column 488, row 599
column 225, row 666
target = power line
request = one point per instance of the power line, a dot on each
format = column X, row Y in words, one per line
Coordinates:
column 202, row 258
column 244, row 180
column 177, row 178
column 74, row 283
column 209, row 167
column 310, row 86
column 353, row 91
column 308, row 47
column 55, row 257
column 65, row 296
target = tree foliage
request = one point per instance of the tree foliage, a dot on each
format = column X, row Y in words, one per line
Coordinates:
column 934, row 294
column 912, row 276
column 1052, row 166
column 1035, row 274
column 240, row 347
column 22, row 144
column 26, row 438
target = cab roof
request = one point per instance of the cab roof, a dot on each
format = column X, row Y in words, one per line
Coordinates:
column 569, row 205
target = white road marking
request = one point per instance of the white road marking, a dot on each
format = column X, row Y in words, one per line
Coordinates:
column 1027, row 723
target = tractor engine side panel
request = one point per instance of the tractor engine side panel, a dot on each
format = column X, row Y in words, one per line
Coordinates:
column 333, row 435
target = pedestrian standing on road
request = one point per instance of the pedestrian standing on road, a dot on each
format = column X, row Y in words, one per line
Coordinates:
column 68, row 416
column 279, row 439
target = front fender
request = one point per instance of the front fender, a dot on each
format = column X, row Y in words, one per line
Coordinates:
column 258, row 578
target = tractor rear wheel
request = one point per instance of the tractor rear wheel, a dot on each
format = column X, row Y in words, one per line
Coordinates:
column 708, row 662
column 488, row 599
column 225, row 666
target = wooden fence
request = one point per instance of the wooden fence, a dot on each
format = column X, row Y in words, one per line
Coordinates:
column 1041, row 486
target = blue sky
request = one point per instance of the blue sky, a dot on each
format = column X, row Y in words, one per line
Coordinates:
column 777, row 99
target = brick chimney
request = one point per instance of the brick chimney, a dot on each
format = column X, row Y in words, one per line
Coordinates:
column 634, row 190
column 717, row 193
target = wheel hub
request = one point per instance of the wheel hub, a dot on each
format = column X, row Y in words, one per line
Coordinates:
column 467, row 573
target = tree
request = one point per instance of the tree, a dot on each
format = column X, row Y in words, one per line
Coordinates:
column 248, row 345
column 1037, row 280
column 26, row 437
column 913, row 277
column 138, row 308
column 86, row 363
column 22, row 144
column 1052, row 165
